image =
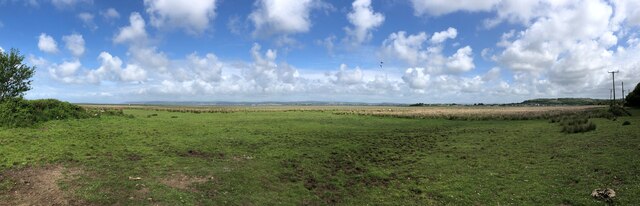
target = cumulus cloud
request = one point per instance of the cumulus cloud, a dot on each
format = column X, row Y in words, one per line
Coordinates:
column 566, row 46
column 407, row 48
column 65, row 71
column 194, row 16
column 415, row 51
column 363, row 19
column 149, row 57
column 75, row 44
column 47, row 44
column 133, row 73
column 65, row 4
column 266, row 74
column 626, row 12
column 441, row 7
column 110, row 14
column 111, row 70
column 442, row 36
column 281, row 16
column 207, row 68
column 87, row 20
column 416, row 78
column 346, row 76
column 135, row 32
column 461, row 61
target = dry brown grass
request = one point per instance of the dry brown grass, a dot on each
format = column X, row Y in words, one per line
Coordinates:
column 445, row 112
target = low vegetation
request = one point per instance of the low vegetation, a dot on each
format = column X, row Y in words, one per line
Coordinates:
column 311, row 156
column 23, row 113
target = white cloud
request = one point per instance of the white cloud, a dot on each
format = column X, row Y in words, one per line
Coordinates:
column 47, row 44
column 442, row 36
column 492, row 74
column 574, row 37
column 1, row 49
column 111, row 70
column 64, row 4
column 328, row 43
column 281, row 16
column 193, row 16
column 266, row 75
column 38, row 61
column 75, row 44
column 416, row 78
column 626, row 12
column 461, row 61
column 110, row 13
column 135, row 32
column 133, row 73
column 149, row 58
column 87, row 20
column 441, row 7
column 364, row 19
column 66, row 71
column 345, row 76
column 207, row 68
column 407, row 48
column 414, row 50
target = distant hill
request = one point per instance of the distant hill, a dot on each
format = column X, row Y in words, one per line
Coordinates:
column 566, row 101
column 298, row 103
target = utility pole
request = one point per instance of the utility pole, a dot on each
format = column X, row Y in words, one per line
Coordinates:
column 610, row 92
column 623, row 93
column 613, row 77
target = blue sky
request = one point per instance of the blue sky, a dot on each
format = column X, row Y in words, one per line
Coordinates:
column 462, row 51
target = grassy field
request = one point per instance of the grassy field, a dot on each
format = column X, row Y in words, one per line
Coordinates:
column 318, row 156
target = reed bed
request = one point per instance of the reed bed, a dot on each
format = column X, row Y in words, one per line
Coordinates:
column 440, row 112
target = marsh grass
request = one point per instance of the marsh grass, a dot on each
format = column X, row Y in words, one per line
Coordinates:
column 315, row 156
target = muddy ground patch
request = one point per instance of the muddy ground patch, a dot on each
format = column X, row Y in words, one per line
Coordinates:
column 37, row 185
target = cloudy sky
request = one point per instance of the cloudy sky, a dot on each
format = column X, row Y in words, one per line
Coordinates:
column 434, row 51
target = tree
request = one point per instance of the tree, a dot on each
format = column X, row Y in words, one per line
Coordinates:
column 633, row 98
column 14, row 75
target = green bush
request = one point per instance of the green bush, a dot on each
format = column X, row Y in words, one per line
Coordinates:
column 19, row 112
column 618, row 110
column 577, row 125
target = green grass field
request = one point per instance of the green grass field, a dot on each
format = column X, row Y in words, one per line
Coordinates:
column 318, row 158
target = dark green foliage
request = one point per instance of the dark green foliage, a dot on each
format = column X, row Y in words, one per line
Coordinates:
column 625, row 123
column 19, row 112
column 618, row 110
column 633, row 99
column 14, row 75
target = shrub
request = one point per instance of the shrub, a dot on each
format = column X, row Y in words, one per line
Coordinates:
column 19, row 112
column 625, row 123
column 617, row 110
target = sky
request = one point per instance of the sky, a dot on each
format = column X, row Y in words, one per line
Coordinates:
column 399, row 51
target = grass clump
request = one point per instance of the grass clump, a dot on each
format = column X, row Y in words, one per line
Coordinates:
column 23, row 113
column 577, row 125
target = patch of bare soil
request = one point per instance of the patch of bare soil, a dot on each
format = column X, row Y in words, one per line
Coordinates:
column 38, row 186
column 183, row 182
